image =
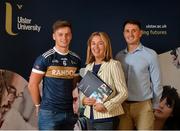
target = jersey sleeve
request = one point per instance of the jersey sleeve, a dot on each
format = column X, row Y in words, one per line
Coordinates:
column 40, row 65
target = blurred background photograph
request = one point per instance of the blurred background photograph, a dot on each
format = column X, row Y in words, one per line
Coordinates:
column 170, row 67
column 16, row 110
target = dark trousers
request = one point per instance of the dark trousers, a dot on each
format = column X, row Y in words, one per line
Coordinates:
column 50, row 120
column 105, row 125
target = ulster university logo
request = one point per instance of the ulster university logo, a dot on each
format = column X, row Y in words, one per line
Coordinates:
column 23, row 23
column 8, row 19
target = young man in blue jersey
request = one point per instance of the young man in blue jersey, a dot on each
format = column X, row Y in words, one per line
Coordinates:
column 58, row 68
column 142, row 73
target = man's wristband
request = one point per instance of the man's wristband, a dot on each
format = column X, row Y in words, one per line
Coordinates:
column 38, row 105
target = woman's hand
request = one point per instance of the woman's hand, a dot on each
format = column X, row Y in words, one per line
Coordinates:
column 99, row 107
column 89, row 101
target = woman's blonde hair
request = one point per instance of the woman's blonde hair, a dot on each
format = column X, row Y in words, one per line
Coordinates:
column 108, row 49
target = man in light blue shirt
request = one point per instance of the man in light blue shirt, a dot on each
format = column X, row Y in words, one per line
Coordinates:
column 142, row 73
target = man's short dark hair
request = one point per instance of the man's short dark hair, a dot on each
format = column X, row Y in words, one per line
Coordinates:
column 132, row 21
column 60, row 24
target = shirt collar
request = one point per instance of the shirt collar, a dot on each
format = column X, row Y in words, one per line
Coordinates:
column 140, row 47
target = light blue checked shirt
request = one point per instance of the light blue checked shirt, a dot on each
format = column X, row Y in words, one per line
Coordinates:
column 142, row 74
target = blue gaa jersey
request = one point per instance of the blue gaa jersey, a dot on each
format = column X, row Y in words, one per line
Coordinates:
column 59, row 70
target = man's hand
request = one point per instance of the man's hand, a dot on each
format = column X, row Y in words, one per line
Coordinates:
column 37, row 109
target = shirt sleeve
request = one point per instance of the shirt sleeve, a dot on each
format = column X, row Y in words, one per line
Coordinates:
column 155, row 80
column 79, row 66
column 120, row 87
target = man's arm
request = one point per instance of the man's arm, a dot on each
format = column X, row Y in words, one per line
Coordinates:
column 33, row 86
column 76, row 80
column 156, row 81
column 75, row 93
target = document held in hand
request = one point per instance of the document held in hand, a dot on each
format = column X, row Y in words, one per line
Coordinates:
column 93, row 87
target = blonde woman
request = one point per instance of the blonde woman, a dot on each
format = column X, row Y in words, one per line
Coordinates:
column 104, row 116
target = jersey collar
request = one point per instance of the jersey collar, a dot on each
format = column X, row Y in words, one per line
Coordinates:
column 60, row 52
